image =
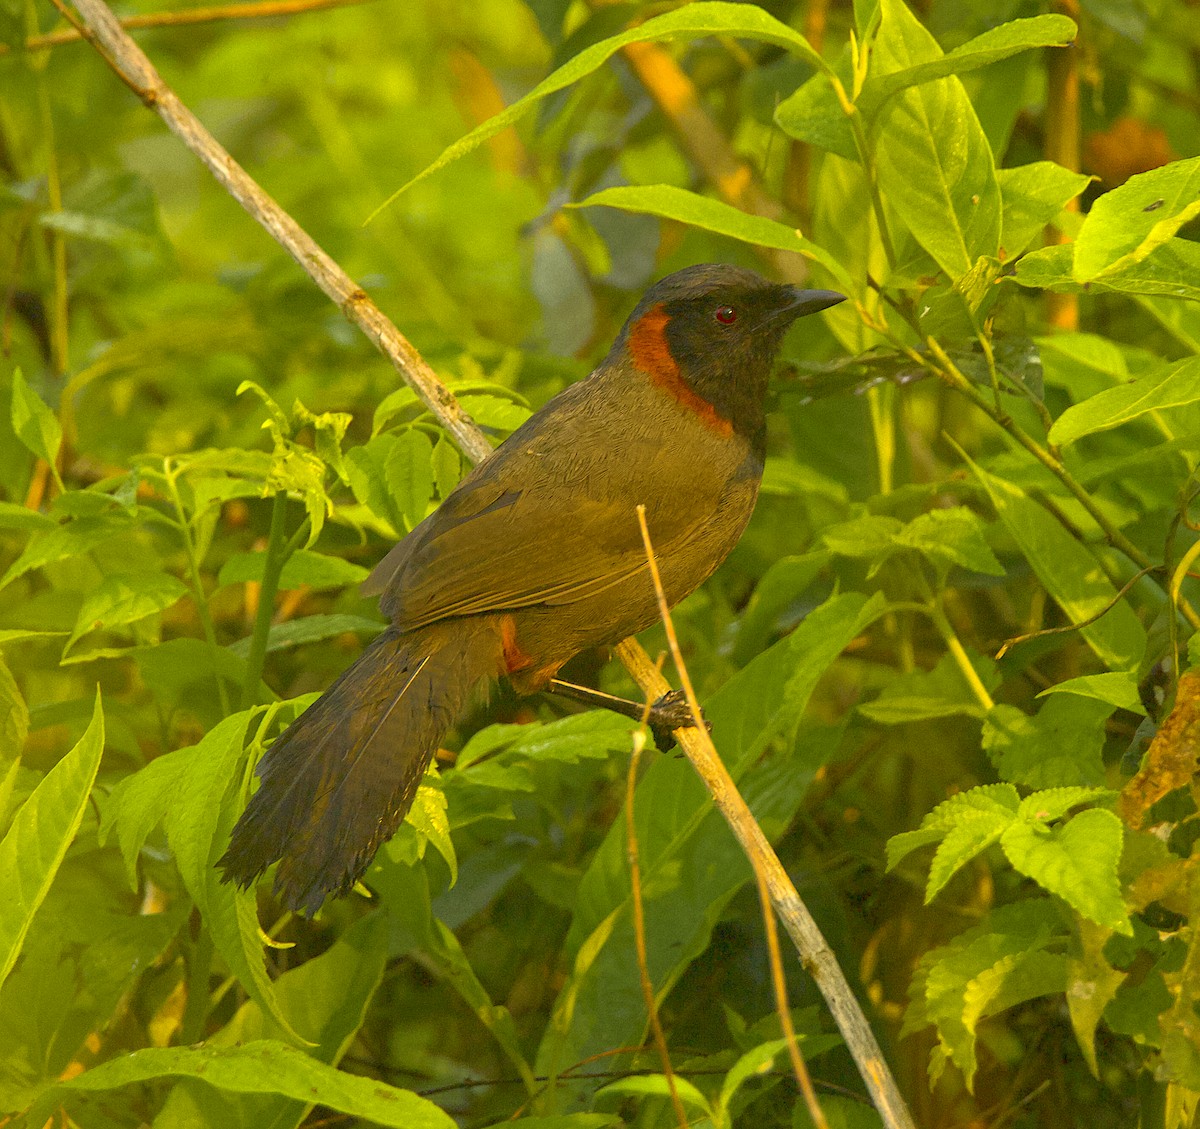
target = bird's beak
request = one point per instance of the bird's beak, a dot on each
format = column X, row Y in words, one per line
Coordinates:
column 805, row 302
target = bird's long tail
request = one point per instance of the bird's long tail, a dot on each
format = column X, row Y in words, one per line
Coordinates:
column 338, row 781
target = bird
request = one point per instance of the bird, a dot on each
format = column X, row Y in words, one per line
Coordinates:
column 534, row 557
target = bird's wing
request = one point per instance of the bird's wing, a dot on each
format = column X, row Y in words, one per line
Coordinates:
column 542, row 523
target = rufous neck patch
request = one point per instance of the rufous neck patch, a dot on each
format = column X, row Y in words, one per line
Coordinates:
column 651, row 354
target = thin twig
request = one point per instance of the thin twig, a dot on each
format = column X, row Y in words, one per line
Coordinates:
column 1067, row 628
column 817, row 957
column 639, row 930
column 132, row 66
column 799, row 1067
column 266, row 9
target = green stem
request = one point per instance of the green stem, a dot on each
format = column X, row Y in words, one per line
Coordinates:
column 959, row 654
column 189, row 546
column 277, row 556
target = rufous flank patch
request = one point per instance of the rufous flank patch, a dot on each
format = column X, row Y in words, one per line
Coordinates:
column 651, row 353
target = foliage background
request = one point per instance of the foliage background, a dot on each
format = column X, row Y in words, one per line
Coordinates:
column 907, row 529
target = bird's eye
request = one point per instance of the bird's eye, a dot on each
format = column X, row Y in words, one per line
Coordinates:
column 726, row 315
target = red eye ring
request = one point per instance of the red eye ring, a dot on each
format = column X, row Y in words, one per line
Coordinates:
column 726, row 315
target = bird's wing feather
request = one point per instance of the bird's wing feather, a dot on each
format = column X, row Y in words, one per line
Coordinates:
column 539, row 523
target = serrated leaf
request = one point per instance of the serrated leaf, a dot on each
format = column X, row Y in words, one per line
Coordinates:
column 955, row 535
column 1117, row 688
column 713, row 215
column 262, row 1067
column 1171, row 386
column 961, row 982
column 498, row 412
column 1058, row 747
column 447, row 466
column 34, row 423
column 1126, row 225
column 123, row 598
column 428, row 816
column 1053, row 803
column 962, row 843
column 742, row 20
column 408, row 473
column 868, row 536
column 1076, row 861
column 40, row 833
column 934, row 162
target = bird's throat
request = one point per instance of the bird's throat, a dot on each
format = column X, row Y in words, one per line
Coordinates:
column 651, row 353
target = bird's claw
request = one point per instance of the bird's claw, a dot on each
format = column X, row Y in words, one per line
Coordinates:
column 668, row 713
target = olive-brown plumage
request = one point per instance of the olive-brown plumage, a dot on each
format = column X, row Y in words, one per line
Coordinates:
column 535, row 556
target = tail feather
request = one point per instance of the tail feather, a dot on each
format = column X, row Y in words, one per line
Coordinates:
column 337, row 782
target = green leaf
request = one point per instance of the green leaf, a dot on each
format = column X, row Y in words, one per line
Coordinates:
column 1125, row 225
column 198, row 821
column 869, row 536
column 1172, row 386
column 657, row 1086
column 408, row 472
column 962, row 843
column 778, row 590
column 14, row 716
column 922, row 695
column 14, row 516
column 68, row 540
column 1093, row 984
column 563, row 1121
column 1171, row 271
column 756, row 1061
column 327, row 998
column 447, row 466
column 1117, row 688
column 1077, row 861
column 123, row 598
column 967, row 824
column 981, row 972
column 310, row 629
column 34, row 423
column 993, row 45
column 41, row 831
column 814, row 115
column 261, row 1067
column 712, row 215
column 304, row 566
column 1033, row 195
column 697, row 19
column 953, row 535
column 1071, row 574
column 1059, row 747
column 934, row 162
column 497, row 412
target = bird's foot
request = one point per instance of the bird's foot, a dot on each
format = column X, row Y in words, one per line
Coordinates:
column 668, row 713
